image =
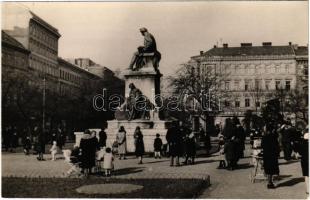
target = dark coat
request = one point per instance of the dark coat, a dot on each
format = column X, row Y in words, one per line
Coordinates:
column 41, row 143
column 190, row 147
column 88, row 146
column 174, row 139
column 304, row 152
column 270, row 147
column 102, row 138
column 230, row 151
column 139, row 145
column 158, row 144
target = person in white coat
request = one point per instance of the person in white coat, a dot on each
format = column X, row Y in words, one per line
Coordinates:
column 108, row 161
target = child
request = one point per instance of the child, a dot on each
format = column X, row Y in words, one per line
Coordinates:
column 222, row 164
column 53, row 150
column 27, row 145
column 108, row 161
column 157, row 146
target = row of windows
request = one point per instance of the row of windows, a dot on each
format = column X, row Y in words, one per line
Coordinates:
column 67, row 90
column 42, row 49
column 247, row 69
column 43, row 35
column 70, row 77
column 14, row 59
column 43, row 66
column 237, row 103
column 258, row 84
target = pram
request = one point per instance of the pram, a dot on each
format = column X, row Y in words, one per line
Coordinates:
column 75, row 162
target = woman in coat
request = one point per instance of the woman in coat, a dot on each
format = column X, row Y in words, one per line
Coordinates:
column 139, row 144
column 304, row 152
column 121, row 140
column 270, row 147
column 88, row 146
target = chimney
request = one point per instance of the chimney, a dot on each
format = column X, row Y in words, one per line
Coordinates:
column 214, row 46
column 225, row 45
column 201, row 53
column 246, row 44
column 290, row 43
column 267, row 44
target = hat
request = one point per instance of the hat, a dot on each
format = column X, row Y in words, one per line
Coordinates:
column 143, row 29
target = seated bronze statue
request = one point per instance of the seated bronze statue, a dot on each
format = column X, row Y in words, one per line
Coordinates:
column 148, row 50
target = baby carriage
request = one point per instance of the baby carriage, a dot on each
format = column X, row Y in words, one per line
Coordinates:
column 75, row 162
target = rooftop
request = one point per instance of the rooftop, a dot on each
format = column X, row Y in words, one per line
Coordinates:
column 7, row 39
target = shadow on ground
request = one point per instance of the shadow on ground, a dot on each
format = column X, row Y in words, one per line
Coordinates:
column 291, row 182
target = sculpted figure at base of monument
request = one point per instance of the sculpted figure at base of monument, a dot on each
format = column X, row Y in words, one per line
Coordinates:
column 136, row 106
column 146, row 52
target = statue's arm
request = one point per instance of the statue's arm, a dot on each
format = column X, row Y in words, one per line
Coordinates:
column 148, row 42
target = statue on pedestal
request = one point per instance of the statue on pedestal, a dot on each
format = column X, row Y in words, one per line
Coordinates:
column 136, row 106
column 146, row 53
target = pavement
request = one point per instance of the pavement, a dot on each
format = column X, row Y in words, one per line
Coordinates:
column 223, row 183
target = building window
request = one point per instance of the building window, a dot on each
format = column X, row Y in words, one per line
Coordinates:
column 237, row 84
column 226, row 103
column 287, row 85
column 267, row 84
column 247, row 103
column 246, row 85
column 278, row 85
column 237, row 104
column 226, row 85
column 258, row 84
column 257, row 104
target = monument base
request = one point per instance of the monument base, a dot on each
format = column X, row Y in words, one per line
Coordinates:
column 148, row 128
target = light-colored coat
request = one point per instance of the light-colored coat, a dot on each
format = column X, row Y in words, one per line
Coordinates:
column 121, row 140
column 108, row 161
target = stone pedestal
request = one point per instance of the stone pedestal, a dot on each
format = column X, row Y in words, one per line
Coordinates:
column 149, row 130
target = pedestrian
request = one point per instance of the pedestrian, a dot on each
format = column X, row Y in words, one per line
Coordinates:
column 240, row 135
column 121, row 140
column 53, row 150
column 174, row 138
column 27, row 145
column 53, row 136
column 287, row 133
column 228, row 129
column 108, row 161
column 270, row 148
column 190, row 148
column 207, row 140
column 158, row 143
column 102, row 138
column 231, row 153
column 88, row 147
column 222, row 164
column 139, row 144
column 304, row 153
column 60, row 138
column 96, row 141
column 14, row 140
column 41, row 145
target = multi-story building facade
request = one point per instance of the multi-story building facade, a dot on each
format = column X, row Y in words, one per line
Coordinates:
column 41, row 39
column 252, row 74
column 73, row 79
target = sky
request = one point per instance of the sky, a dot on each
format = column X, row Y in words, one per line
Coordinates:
column 108, row 32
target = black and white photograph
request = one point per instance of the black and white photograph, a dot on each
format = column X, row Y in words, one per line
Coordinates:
column 154, row 99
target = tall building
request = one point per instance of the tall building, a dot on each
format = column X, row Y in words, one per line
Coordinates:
column 252, row 74
column 40, row 38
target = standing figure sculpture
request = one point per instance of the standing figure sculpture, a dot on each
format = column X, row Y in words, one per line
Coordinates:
column 149, row 49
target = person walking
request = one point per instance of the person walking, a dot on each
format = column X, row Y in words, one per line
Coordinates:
column 121, row 140
column 158, row 143
column 88, row 148
column 60, row 138
column 41, row 145
column 231, row 153
column 174, row 138
column 190, row 148
column 286, row 140
column 271, row 149
column 139, row 144
column 303, row 150
column 102, row 138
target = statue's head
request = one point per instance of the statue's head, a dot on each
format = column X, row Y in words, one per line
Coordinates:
column 132, row 86
column 143, row 30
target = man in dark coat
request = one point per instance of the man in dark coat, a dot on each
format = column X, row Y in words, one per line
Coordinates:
column 287, row 133
column 174, row 138
column 240, row 135
column 271, row 149
column 41, row 145
column 231, row 153
column 88, row 146
column 102, row 138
